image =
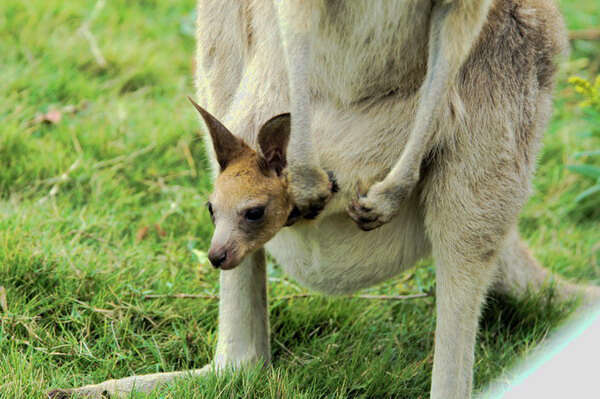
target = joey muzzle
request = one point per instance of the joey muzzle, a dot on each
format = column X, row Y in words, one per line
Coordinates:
column 224, row 258
column 217, row 258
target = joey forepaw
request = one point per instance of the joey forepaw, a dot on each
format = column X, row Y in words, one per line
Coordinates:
column 375, row 207
column 311, row 188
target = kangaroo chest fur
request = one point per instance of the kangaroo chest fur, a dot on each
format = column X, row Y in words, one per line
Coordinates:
column 364, row 50
column 368, row 64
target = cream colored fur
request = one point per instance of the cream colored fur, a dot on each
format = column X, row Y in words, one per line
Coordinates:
column 426, row 103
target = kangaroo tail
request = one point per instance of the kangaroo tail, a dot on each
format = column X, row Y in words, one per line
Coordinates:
column 519, row 274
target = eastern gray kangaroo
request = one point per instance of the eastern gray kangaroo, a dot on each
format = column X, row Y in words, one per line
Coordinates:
column 429, row 116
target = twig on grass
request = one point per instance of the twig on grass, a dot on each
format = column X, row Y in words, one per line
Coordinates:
column 59, row 180
column 295, row 358
column 370, row 297
column 123, row 158
column 84, row 29
column 188, row 157
column 79, row 233
column 30, row 330
column 76, row 144
column 181, row 296
column 106, row 312
column 17, row 317
column 297, row 296
column 395, row 297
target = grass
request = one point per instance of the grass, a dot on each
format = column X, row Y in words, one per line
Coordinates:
column 79, row 253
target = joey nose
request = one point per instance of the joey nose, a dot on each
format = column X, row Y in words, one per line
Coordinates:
column 217, row 258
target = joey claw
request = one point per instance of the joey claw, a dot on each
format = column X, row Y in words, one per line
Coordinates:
column 333, row 185
column 365, row 220
column 372, row 208
column 361, row 189
column 314, row 210
column 293, row 216
column 311, row 189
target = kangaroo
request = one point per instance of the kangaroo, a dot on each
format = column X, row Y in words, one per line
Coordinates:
column 425, row 116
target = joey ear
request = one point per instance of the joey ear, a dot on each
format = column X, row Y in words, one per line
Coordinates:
column 227, row 146
column 273, row 139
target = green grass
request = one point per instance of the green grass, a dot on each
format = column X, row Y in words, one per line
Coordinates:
column 75, row 273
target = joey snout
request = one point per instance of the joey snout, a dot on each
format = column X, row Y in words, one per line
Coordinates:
column 217, row 256
column 252, row 199
column 224, row 257
column 226, row 247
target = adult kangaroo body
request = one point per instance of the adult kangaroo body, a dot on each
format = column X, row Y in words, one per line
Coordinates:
column 438, row 107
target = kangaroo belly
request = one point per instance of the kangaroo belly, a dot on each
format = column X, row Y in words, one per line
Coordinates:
column 333, row 256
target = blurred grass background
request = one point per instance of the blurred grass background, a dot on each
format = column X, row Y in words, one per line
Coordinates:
column 102, row 188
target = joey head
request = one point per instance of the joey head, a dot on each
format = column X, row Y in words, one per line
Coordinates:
column 250, row 202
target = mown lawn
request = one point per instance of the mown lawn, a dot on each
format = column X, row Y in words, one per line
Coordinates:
column 106, row 206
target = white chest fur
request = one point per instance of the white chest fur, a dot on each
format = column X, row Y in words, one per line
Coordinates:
column 360, row 51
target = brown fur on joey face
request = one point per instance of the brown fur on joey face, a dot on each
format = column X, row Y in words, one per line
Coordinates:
column 250, row 201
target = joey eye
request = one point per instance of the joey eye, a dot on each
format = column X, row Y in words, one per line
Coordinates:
column 210, row 209
column 255, row 214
